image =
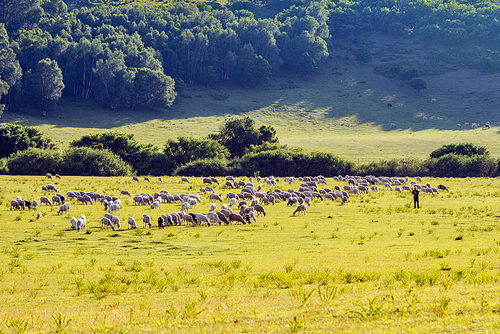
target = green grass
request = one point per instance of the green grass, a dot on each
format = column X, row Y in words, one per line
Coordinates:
column 373, row 265
column 342, row 110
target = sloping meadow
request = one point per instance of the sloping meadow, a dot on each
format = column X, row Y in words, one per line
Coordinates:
column 376, row 264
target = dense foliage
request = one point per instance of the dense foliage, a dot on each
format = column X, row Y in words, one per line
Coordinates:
column 14, row 138
column 35, row 161
column 87, row 161
column 133, row 55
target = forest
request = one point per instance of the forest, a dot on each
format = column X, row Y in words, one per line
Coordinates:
column 138, row 56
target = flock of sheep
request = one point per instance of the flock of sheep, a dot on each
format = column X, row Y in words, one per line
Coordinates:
column 248, row 203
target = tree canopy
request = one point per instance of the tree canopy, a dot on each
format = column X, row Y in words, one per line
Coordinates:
column 238, row 134
column 15, row 138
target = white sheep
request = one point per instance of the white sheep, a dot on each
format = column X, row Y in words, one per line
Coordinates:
column 251, row 215
column 212, row 216
column 185, row 206
column 202, row 218
column 160, row 179
column 135, row 179
column 106, row 223
column 125, row 193
column 116, row 221
column 260, row 210
column 184, row 179
column 38, row 215
column 213, row 207
column 58, row 176
column 131, row 223
column 301, row 208
column 232, row 202
column 34, row 204
column 114, row 207
column 146, row 220
column 56, row 199
column 45, row 200
column 63, row 208
column 156, row 204
column 73, row 223
column 215, row 197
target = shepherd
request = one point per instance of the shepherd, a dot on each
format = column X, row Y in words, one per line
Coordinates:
column 415, row 198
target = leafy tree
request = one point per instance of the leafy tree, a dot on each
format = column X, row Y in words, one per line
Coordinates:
column 237, row 134
column 153, row 89
column 418, row 84
column 187, row 149
column 467, row 149
column 15, row 138
column 122, row 144
column 10, row 70
column 18, row 13
column 116, row 81
column 35, row 161
column 47, row 83
column 86, row 161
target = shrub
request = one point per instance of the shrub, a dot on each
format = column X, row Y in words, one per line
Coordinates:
column 35, row 161
column 87, row 161
column 205, row 167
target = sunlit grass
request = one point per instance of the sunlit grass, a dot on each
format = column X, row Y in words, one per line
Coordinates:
column 370, row 265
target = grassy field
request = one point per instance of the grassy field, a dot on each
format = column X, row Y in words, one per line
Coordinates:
column 342, row 110
column 375, row 265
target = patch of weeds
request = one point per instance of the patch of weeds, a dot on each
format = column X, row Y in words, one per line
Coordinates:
column 459, row 237
column 301, row 294
column 440, row 306
column 59, row 234
column 61, row 322
column 88, row 231
column 295, row 324
column 135, row 267
column 445, row 266
column 327, row 293
column 374, row 308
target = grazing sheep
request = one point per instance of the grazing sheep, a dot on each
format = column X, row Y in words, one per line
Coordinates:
column 106, row 223
column 161, row 222
column 433, row 101
column 207, row 180
column 146, row 179
column 28, row 204
column 38, row 215
column 114, row 207
column 232, row 202
column 345, row 200
column 251, row 215
column 134, row 178
column 398, row 189
column 214, row 180
column 81, row 223
column 213, row 207
column 234, row 217
column 202, row 218
column 14, row 205
column 188, row 219
column 393, row 125
column 73, row 223
column 209, row 189
column 222, row 218
column 330, row 196
column 58, row 176
column 308, row 201
column 63, row 209
column 301, row 208
column 442, row 187
column 424, row 118
column 48, row 176
column 44, row 188
column 146, row 220
column 160, row 179
column 35, row 204
column 50, row 187
column 184, row 179
column 56, row 199
column 459, row 126
column 185, row 206
column 229, row 184
column 116, row 221
column 125, row 193
column 131, row 223
column 213, row 217
column 156, row 204
column 45, row 200
column 215, row 197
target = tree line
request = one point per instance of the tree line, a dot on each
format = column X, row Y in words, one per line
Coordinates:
column 238, row 148
column 139, row 57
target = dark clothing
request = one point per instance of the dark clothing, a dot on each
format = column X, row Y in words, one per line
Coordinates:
column 415, row 198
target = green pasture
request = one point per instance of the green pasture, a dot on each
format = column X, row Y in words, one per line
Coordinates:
column 375, row 265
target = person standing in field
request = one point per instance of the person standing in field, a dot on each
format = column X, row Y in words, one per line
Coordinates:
column 415, row 198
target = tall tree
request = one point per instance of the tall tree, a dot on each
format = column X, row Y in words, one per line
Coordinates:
column 10, row 71
column 238, row 134
column 47, row 83
column 153, row 89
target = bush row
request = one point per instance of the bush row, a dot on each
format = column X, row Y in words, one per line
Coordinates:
column 87, row 161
